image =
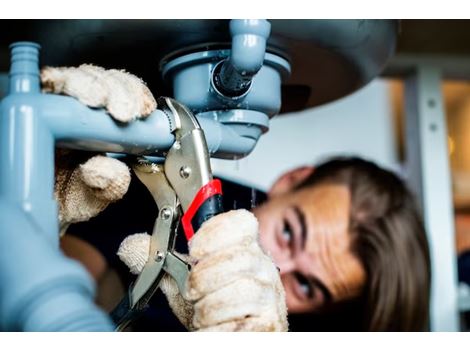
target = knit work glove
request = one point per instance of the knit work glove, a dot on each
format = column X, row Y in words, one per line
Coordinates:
column 233, row 285
column 123, row 95
column 86, row 183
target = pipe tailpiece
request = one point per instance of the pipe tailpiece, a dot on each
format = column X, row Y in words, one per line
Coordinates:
column 24, row 69
column 232, row 77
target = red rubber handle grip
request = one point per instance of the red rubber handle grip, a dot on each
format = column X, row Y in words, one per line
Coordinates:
column 206, row 204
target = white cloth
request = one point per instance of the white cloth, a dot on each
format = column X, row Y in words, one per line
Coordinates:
column 233, row 285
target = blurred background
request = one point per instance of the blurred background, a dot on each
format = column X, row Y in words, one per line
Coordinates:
column 371, row 123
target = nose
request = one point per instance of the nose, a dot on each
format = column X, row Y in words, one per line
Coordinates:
column 286, row 266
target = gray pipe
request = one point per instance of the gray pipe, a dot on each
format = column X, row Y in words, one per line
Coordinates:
column 232, row 77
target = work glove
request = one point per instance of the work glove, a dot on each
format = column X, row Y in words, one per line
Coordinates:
column 87, row 183
column 123, row 95
column 232, row 286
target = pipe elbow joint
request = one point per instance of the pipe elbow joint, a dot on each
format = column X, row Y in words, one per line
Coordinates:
column 248, row 45
column 41, row 290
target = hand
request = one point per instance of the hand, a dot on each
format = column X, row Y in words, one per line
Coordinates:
column 233, row 285
column 123, row 95
column 86, row 184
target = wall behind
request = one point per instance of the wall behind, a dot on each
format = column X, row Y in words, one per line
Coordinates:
column 360, row 124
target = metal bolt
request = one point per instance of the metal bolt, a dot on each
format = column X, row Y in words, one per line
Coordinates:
column 185, row 171
column 159, row 256
column 166, row 213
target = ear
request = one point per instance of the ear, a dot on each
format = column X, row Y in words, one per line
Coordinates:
column 290, row 180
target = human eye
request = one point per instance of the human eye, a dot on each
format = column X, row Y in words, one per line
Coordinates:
column 287, row 232
column 294, row 230
column 305, row 287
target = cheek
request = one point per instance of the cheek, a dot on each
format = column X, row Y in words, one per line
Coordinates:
column 294, row 304
column 352, row 278
column 331, row 261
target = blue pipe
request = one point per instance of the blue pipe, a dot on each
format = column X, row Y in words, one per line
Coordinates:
column 24, row 70
column 73, row 125
column 26, row 144
column 42, row 290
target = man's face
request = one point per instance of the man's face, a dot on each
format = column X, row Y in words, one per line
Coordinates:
column 306, row 233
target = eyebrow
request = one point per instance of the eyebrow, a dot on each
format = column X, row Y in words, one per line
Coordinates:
column 303, row 227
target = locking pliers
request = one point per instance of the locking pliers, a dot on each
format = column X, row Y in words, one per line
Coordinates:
column 184, row 190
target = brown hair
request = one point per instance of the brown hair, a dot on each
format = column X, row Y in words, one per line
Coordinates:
column 389, row 239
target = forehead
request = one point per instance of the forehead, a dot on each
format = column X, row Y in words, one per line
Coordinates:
column 326, row 208
column 330, row 199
